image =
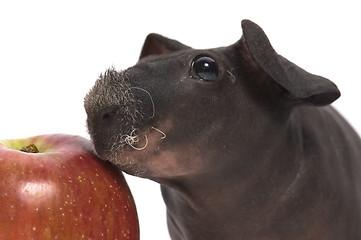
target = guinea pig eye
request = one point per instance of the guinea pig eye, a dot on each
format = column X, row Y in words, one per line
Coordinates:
column 205, row 68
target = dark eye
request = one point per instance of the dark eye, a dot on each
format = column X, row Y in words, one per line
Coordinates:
column 205, row 68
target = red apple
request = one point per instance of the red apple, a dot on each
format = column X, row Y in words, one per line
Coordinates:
column 59, row 189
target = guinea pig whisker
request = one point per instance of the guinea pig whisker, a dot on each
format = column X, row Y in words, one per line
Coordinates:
column 132, row 138
column 164, row 135
column 233, row 77
column 151, row 99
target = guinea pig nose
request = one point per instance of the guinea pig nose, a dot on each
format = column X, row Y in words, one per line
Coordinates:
column 109, row 113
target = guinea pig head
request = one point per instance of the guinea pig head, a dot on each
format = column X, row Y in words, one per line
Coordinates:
column 181, row 111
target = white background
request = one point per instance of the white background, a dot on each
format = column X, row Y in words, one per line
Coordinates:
column 51, row 52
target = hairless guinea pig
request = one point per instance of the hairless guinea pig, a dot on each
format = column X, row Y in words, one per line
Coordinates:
column 242, row 141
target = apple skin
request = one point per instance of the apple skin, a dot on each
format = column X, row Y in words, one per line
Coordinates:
column 62, row 192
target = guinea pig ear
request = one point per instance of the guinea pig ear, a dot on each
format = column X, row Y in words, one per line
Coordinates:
column 304, row 86
column 156, row 44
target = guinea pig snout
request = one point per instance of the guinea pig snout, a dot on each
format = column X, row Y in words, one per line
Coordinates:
column 111, row 106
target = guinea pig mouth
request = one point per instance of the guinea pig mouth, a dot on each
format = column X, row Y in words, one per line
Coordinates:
column 128, row 150
column 131, row 139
